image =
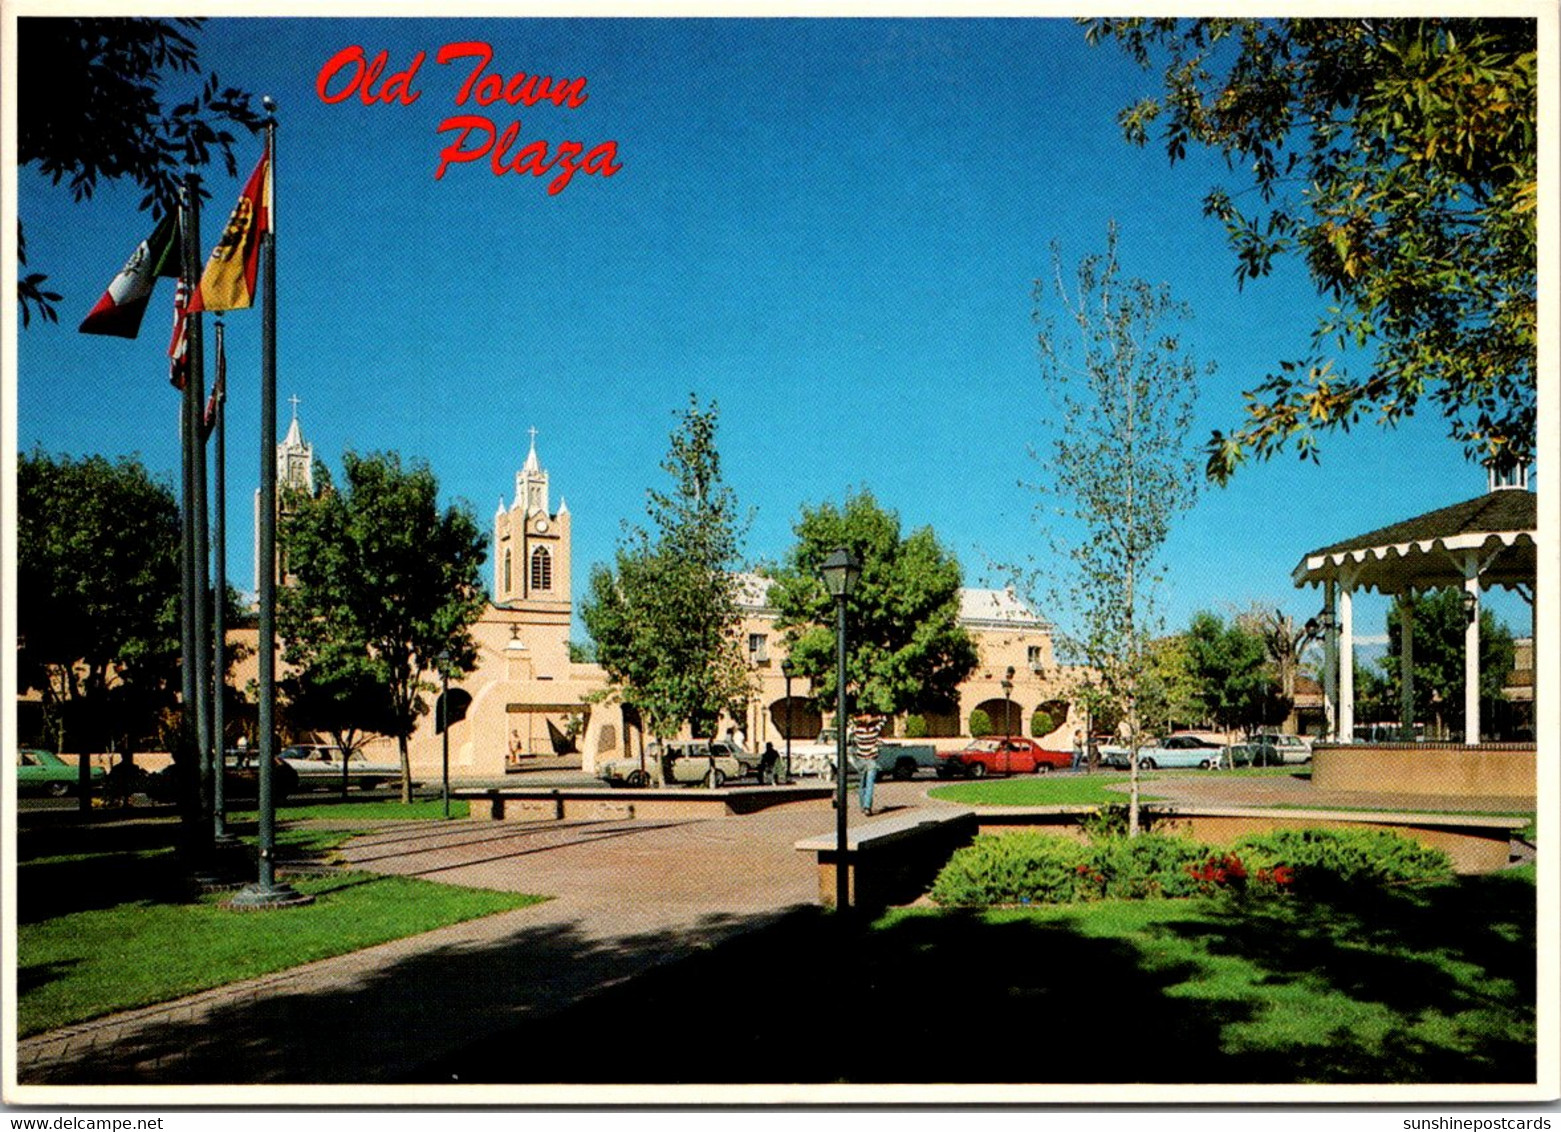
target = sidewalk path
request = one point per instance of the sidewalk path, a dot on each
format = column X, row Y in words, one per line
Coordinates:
column 627, row 896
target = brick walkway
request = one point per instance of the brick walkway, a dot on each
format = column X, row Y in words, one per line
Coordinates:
column 629, row 896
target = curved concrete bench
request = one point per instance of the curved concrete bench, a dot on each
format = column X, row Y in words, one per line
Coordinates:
column 891, row 859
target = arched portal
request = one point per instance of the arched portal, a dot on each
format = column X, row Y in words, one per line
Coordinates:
column 1007, row 716
column 806, row 721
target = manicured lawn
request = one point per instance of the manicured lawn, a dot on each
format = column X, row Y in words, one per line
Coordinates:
column 1046, row 790
column 1433, row 985
column 427, row 810
column 108, row 923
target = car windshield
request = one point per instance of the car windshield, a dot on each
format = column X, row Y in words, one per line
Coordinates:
column 984, row 745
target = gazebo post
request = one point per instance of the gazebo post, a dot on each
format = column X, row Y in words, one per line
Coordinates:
column 1471, row 652
column 1406, row 667
column 1330, row 661
column 1346, row 658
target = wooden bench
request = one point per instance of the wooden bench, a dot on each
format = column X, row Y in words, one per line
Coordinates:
column 891, row 859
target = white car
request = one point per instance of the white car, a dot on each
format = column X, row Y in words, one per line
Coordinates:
column 320, row 767
column 1177, row 751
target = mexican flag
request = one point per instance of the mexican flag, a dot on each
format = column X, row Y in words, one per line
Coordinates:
column 120, row 309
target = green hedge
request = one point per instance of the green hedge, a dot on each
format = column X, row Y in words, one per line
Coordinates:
column 1327, row 859
column 980, row 724
column 1038, row 868
column 915, row 727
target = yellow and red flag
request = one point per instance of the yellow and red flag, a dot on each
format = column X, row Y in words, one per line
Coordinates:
column 229, row 279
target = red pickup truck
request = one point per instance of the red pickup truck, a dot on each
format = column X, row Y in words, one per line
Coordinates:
column 1002, row 755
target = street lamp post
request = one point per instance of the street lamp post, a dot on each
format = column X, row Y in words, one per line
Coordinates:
column 443, row 660
column 788, row 670
column 841, row 571
column 1007, row 703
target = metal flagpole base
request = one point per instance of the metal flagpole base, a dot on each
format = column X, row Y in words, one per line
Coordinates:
column 258, row 897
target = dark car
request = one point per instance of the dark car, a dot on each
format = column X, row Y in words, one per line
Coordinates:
column 242, row 781
column 44, row 772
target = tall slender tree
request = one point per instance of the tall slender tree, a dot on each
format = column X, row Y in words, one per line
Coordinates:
column 664, row 616
column 1117, row 467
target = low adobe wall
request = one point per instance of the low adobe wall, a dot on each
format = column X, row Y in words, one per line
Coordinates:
column 600, row 803
column 1485, row 770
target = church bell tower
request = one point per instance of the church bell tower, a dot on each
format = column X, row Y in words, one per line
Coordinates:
column 531, row 546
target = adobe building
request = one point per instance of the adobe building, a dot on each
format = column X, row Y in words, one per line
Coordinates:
column 526, row 699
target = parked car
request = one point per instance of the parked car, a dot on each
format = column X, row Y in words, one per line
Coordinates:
column 44, row 772
column 711, row 762
column 896, row 759
column 241, row 782
column 1176, row 752
column 1271, row 749
column 1009, row 754
column 320, row 767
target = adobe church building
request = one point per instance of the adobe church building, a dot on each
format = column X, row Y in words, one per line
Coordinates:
column 527, row 700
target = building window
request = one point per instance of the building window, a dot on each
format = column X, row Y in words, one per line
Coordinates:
column 508, row 580
column 758, row 648
column 541, row 569
column 1033, row 658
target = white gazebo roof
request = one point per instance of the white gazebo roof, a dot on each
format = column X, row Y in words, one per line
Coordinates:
column 1429, row 551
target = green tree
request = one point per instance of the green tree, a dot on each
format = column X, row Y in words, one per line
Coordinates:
column 341, row 692
column 97, row 612
column 1438, row 628
column 1397, row 159
column 1172, row 692
column 1230, row 665
column 1119, row 468
column 906, row 650
column 90, row 108
column 1284, row 642
column 380, row 581
column 664, row 617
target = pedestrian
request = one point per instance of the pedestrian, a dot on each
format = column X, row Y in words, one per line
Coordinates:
column 1078, row 749
column 767, row 763
column 865, row 730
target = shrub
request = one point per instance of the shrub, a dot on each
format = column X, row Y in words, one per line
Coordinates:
column 1148, row 866
column 1036, row 868
column 1041, row 724
column 915, row 727
column 980, row 724
column 1323, row 860
column 1015, row 868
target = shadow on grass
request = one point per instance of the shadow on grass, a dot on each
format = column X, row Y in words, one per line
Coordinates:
column 407, row 1011
column 954, row 997
column 83, row 868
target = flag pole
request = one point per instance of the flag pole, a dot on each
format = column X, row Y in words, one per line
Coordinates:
column 200, row 561
column 219, row 394
column 189, row 735
column 265, row 892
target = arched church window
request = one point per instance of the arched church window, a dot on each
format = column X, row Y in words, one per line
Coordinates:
column 509, row 582
column 541, row 569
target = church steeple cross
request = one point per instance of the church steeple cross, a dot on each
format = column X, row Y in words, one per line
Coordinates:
column 294, row 400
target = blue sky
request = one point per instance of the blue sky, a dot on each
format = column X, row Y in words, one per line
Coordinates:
column 831, row 227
